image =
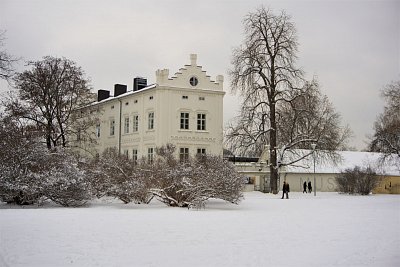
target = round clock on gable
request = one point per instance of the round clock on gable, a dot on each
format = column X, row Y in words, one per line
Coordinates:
column 193, row 81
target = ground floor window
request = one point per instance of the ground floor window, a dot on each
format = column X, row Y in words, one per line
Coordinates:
column 134, row 156
column 184, row 154
column 150, row 155
column 201, row 151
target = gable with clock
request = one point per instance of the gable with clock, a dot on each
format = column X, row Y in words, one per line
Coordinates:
column 190, row 76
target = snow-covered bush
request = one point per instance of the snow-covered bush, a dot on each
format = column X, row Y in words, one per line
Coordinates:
column 30, row 173
column 115, row 175
column 193, row 182
column 65, row 181
column 169, row 178
column 357, row 180
column 219, row 179
column 21, row 160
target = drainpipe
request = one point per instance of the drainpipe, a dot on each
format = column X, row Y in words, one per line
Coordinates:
column 120, row 127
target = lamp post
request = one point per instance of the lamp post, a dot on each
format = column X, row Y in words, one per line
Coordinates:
column 313, row 145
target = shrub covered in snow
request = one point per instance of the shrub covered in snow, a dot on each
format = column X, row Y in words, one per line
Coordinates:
column 22, row 159
column 193, row 182
column 179, row 184
column 115, row 175
column 30, row 173
column 65, row 181
column 357, row 180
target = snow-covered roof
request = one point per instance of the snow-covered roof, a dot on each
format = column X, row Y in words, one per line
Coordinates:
column 348, row 160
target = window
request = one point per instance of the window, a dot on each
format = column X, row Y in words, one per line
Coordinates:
column 150, row 154
column 193, row 81
column 126, row 103
column 126, row 153
column 184, row 154
column 151, row 97
column 185, row 97
column 201, row 151
column 202, row 98
column 151, row 121
column 126, row 125
column 112, row 107
column 98, row 130
column 185, row 120
column 201, row 122
column 135, row 123
column 135, row 101
column 134, row 156
column 112, row 127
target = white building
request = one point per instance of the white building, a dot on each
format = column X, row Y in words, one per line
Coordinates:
column 185, row 110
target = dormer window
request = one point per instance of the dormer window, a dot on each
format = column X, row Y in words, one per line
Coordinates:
column 193, row 81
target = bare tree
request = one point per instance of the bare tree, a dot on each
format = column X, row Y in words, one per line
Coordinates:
column 309, row 119
column 386, row 138
column 277, row 107
column 358, row 180
column 6, row 60
column 47, row 95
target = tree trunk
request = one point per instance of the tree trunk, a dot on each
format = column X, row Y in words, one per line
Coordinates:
column 272, row 150
column 48, row 141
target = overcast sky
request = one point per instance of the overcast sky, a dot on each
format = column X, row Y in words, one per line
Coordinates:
column 353, row 47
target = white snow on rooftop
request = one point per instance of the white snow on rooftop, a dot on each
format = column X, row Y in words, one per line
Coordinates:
column 349, row 159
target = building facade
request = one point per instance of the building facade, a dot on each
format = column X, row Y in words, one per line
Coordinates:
column 185, row 110
column 322, row 175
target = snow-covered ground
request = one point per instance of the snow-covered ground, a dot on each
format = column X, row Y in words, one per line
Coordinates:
column 327, row 230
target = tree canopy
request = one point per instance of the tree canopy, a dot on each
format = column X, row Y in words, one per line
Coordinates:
column 386, row 138
column 279, row 107
column 47, row 95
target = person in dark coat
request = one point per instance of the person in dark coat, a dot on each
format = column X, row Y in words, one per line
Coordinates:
column 309, row 187
column 305, row 187
column 285, row 189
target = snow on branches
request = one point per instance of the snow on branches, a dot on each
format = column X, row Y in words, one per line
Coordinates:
column 30, row 174
column 178, row 184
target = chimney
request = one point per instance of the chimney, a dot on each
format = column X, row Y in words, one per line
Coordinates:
column 102, row 94
column 119, row 89
column 139, row 83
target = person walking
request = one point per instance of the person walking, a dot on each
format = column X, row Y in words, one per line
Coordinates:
column 309, row 187
column 305, row 187
column 285, row 190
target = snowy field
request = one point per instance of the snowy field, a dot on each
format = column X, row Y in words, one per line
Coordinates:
column 327, row 230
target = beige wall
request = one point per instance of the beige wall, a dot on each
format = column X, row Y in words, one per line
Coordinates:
column 388, row 185
column 324, row 182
